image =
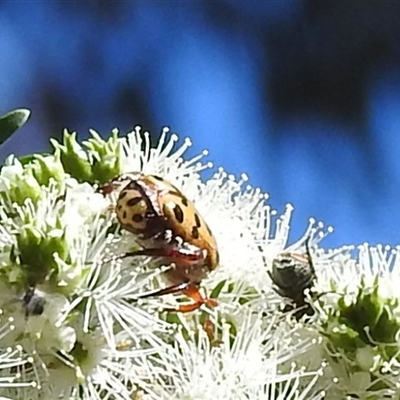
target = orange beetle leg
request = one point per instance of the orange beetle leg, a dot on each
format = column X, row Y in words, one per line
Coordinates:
column 181, row 255
column 193, row 292
column 190, row 290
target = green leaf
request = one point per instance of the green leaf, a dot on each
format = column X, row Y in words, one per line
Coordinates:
column 24, row 160
column 217, row 290
column 11, row 121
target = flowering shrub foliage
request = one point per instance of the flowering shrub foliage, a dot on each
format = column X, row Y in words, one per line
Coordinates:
column 293, row 321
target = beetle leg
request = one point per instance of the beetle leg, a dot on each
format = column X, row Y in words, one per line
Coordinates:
column 187, row 288
column 168, row 290
column 193, row 292
column 184, row 256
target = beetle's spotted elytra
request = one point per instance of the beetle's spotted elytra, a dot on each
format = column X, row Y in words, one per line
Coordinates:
column 168, row 227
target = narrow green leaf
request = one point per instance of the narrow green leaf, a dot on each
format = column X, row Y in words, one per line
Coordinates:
column 11, row 121
column 24, row 160
column 217, row 290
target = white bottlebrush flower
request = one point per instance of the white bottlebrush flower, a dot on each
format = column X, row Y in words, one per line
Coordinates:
column 73, row 324
column 63, row 308
column 243, row 366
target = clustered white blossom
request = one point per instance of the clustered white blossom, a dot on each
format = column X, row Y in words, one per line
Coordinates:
column 72, row 325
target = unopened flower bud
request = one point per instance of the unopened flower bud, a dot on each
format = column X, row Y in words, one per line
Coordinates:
column 73, row 158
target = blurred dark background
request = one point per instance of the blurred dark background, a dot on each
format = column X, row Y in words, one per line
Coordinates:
column 303, row 96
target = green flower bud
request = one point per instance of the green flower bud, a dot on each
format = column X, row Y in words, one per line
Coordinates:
column 105, row 156
column 12, row 272
column 26, row 187
column 56, row 242
column 73, row 158
column 37, row 249
column 364, row 330
column 29, row 245
column 341, row 336
column 371, row 311
column 46, row 168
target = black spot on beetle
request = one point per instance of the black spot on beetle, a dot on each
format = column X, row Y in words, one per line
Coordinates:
column 175, row 193
column 178, row 213
column 119, row 207
column 195, row 232
column 197, row 219
column 137, row 218
column 184, row 201
column 124, row 215
column 133, row 201
column 158, row 178
column 123, row 194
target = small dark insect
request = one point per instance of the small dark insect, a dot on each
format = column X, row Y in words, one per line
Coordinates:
column 291, row 275
column 33, row 301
